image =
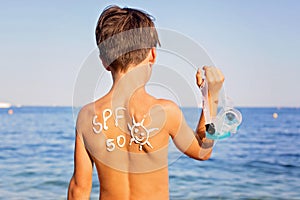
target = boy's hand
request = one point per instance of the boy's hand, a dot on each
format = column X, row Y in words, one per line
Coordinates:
column 214, row 78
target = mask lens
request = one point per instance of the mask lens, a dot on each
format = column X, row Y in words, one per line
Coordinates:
column 230, row 116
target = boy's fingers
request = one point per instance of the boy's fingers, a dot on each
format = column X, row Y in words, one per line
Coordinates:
column 199, row 79
column 220, row 75
column 213, row 75
column 205, row 68
column 209, row 74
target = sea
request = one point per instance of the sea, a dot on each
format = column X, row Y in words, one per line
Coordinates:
column 262, row 161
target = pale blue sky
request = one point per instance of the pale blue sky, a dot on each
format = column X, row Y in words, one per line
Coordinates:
column 256, row 44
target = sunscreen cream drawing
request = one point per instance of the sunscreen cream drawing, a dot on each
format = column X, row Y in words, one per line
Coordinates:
column 139, row 133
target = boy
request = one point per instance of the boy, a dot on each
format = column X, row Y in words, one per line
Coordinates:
column 125, row 134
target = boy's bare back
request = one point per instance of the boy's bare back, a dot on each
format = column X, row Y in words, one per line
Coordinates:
column 125, row 134
column 125, row 171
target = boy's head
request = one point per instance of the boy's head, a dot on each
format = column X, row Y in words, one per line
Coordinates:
column 133, row 45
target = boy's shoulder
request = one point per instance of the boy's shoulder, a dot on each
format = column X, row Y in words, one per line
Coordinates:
column 86, row 109
column 169, row 106
column 94, row 107
column 167, row 103
column 86, row 112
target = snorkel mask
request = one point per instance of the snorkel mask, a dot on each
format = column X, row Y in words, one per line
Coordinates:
column 227, row 121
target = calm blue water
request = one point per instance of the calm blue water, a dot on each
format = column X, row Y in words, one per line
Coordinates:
column 261, row 162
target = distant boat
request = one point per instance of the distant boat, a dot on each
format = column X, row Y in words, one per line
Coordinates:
column 5, row 105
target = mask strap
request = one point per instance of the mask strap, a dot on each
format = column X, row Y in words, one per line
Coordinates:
column 210, row 127
column 205, row 104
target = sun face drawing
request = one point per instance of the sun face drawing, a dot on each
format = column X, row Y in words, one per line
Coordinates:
column 139, row 134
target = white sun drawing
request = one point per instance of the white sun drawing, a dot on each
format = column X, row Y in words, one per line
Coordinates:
column 140, row 134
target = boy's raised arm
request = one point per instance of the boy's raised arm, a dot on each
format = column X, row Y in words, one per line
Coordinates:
column 195, row 144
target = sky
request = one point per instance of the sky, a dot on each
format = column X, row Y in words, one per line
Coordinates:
column 44, row 45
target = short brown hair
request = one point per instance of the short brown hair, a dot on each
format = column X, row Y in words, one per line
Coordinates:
column 115, row 20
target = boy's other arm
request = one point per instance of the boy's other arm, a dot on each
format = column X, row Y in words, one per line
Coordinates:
column 81, row 181
column 215, row 80
column 196, row 145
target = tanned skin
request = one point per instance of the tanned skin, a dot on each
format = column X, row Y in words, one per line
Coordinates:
column 120, row 185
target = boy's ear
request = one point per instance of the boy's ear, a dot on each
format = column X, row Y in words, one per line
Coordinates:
column 152, row 58
column 107, row 67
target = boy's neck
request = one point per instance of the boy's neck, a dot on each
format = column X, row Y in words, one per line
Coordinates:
column 136, row 76
column 132, row 81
